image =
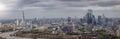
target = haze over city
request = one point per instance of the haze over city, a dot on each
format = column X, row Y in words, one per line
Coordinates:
column 11, row 9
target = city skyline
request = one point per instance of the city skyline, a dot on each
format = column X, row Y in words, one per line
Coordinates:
column 59, row 19
column 58, row 8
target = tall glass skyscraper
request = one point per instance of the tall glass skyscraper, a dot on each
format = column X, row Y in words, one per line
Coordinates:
column 90, row 17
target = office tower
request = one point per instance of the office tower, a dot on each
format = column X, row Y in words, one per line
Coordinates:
column 35, row 21
column 81, row 21
column 84, row 19
column 69, row 19
column 90, row 17
column 73, row 27
column 93, row 20
column 103, row 20
column 17, row 23
column 100, row 20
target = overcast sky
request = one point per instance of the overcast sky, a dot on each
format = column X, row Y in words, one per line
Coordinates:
column 11, row 9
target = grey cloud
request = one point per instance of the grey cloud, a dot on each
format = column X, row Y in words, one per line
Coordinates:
column 75, row 0
column 56, row 8
column 9, row 3
column 69, row 0
column 66, row 3
column 23, row 3
column 42, row 4
column 107, row 3
column 92, row 3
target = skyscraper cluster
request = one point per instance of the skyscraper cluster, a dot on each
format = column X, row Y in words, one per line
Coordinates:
column 90, row 19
